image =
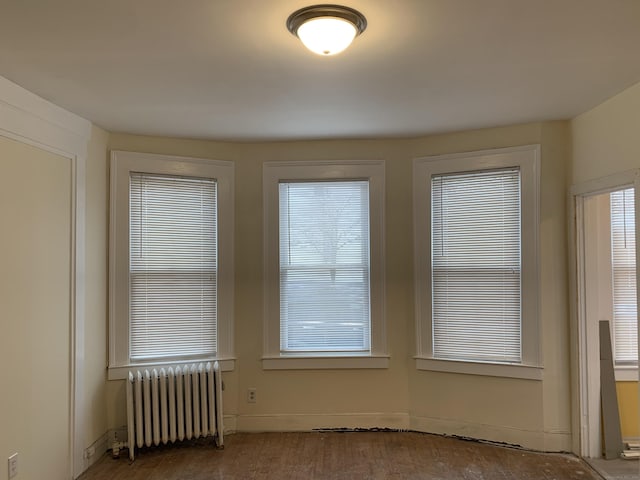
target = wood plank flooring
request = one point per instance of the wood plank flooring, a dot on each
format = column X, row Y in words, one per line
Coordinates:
column 340, row 456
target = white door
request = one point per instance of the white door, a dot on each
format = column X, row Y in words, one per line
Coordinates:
column 35, row 309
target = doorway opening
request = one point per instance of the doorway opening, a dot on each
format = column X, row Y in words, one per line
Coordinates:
column 606, row 216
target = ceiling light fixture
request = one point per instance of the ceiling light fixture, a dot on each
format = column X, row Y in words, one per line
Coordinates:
column 326, row 29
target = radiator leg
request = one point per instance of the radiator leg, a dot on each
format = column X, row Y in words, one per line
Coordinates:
column 219, row 415
column 130, row 420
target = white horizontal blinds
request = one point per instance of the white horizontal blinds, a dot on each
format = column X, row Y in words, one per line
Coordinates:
column 623, row 262
column 476, row 265
column 324, row 266
column 173, row 260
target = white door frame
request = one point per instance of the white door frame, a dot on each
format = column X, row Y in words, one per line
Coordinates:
column 30, row 119
column 586, row 397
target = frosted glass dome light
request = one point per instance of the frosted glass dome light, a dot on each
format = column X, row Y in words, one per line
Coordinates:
column 326, row 29
column 327, row 35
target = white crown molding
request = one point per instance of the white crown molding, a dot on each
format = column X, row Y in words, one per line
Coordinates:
column 29, row 118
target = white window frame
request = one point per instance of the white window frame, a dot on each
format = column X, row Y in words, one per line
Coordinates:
column 122, row 164
column 273, row 174
column 527, row 158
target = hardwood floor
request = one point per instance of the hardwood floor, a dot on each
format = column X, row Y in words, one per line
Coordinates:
column 340, row 456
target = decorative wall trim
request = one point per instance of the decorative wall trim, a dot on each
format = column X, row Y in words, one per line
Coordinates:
column 30, row 119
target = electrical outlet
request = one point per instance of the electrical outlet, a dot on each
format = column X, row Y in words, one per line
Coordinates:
column 251, row 395
column 13, row 465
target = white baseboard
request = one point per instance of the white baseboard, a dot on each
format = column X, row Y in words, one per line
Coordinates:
column 230, row 424
column 309, row 422
column 559, row 441
column 93, row 453
column 531, row 439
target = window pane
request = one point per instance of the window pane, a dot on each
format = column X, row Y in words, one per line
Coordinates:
column 324, row 266
column 476, row 266
column 173, row 267
column 623, row 263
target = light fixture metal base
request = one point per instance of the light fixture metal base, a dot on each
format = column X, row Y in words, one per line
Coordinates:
column 297, row 18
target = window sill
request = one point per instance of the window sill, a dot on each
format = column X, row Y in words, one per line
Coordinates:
column 324, row 363
column 526, row 372
column 120, row 373
column 626, row 374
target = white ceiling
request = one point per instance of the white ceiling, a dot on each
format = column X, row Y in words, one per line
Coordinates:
column 229, row 69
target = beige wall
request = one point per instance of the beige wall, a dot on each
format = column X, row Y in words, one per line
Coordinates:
column 532, row 413
column 628, row 402
column 554, row 304
column 35, row 248
column 528, row 412
column 605, row 141
column 97, row 237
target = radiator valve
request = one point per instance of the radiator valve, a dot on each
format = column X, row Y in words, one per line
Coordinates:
column 116, row 447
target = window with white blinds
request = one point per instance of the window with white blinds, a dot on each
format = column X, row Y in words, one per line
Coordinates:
column 623, row 264
column 476, row 266
column 324, row 266
column 476, row 227
column 173, row 267
column 170, row 261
